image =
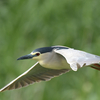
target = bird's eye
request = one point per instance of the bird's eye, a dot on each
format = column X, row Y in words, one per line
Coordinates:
column 37, row 54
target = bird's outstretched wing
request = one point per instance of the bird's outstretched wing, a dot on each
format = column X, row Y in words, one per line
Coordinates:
column 35, row 74
column 77, row 58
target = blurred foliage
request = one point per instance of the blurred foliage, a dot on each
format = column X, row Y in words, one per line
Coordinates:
column 29, row 24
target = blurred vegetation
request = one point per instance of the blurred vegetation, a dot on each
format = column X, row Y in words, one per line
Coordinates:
column 29, row 24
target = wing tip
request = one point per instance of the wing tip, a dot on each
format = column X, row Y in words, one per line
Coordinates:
column 1, row 90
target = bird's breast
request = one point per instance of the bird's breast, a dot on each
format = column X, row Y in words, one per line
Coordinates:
column 55, row 61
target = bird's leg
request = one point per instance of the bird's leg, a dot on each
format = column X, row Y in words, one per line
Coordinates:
column 96, row 66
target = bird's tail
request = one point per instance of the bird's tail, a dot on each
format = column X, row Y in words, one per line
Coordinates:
column 96, row 66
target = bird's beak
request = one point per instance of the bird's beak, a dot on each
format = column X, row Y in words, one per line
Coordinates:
column 29, row 56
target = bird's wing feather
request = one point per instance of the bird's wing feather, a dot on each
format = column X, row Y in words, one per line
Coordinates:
column 77, row 58
column 35, row 74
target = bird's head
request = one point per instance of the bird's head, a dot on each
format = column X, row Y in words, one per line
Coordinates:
column 37, row 54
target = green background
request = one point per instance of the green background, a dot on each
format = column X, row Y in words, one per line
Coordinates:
column 29, row 24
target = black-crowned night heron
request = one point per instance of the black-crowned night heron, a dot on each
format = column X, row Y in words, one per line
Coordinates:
column 52, row 61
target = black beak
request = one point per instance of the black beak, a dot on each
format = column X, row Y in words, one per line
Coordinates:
column 29, row 56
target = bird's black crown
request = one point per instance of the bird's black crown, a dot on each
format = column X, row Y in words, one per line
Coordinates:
column 48, row 49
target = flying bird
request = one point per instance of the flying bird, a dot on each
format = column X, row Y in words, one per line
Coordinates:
column 52, row 61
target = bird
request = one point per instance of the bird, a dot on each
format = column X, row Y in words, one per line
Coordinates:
column 51, row 62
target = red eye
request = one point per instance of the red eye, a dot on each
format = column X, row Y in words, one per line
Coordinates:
column 37, row 54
